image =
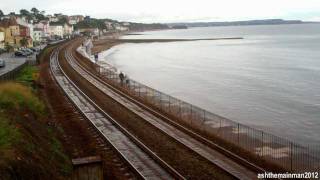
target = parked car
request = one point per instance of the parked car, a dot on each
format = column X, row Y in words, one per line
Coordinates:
column 34, row 49
column 20, row 54
column 27, row 51
column 2, row 63
column 2, row 51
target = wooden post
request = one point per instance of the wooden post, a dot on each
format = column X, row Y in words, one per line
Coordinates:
column 89, row 168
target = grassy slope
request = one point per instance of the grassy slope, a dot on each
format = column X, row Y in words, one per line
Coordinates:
column 28, row 147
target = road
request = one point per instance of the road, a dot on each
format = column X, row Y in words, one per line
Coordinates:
column 12, row 62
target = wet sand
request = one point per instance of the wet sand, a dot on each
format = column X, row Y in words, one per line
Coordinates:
column 107, row 42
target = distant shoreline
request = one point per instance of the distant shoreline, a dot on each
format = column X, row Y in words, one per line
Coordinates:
column 173, row 40
column 105, row 43
column 241, row 23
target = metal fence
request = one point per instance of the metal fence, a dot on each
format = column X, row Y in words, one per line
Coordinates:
column 10, row 75
column 284, row 153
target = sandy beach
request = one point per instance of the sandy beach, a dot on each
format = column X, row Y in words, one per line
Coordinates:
column 108, row 41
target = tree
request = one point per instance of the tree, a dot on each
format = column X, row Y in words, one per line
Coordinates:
column 27, row 14
column 24, row 42
column 63, row 20
column 8, row 47
column 40, row 17
column 24, row 12
column 35, row 11
column 1, row 13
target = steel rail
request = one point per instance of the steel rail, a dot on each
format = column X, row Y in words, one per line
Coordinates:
column 234, row 174
column 131, row 137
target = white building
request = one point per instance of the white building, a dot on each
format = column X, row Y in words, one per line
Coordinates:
column 108, row 25
column 52, row 18
column 1, row 39
column 120, row 27
column 30, row 26
column 38, row 34
column 75, row 19
column 44, row 25
column 126, row 24
column 67, row 30
column 56, row 29
column 90, row 31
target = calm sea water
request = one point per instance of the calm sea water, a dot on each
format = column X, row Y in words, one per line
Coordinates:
column 269, row 80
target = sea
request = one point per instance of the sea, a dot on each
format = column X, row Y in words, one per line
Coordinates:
column 269, row 80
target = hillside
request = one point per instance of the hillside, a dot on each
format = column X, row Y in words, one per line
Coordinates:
column 29, row 148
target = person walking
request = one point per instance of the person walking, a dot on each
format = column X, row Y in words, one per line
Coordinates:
column 121, row 76
column 127, row 80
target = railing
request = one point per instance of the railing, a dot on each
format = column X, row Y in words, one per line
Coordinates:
column 10, row 75
column 284, row 153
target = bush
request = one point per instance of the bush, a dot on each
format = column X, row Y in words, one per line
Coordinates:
column 28, row 75
column 15, row 97
column 8, row 134
column 29, row 148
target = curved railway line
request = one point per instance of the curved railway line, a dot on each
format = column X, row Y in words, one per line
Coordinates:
column 143, row 160
column 133, row 152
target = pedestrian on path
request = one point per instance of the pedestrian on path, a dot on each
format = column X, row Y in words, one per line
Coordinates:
column 121, row 76
column 127, row 80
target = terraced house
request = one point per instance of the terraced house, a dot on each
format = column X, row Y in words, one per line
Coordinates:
column 1, row 39
column 60, row 29
column 15, row 34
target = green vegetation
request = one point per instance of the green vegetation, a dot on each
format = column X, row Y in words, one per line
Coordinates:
column 8, row 47
column 18, row 98
column 91, row 23
column 24, row 42
column 28, row 146
column 35, row 14
column 146, row 27
column 28, row 75
column 9, row 135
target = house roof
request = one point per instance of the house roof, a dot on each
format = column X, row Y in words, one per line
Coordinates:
column 37, row 29
column 44, row 22
column 59, row 23
column 8, row 22
column 56, row 24
column 22, row 26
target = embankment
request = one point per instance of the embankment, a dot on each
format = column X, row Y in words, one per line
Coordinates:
column 29, row 147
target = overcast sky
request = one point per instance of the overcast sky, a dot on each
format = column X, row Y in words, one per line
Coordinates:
column 175, row 10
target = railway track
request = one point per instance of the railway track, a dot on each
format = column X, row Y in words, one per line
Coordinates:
column 79, row 132
column 142, row 160
column 235, row 169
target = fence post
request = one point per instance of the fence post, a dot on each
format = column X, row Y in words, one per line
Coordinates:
column 140, row 91
column 262, row 144
column 308, row 157
column 160, row 101
column 191, row 114
column 169, row 104
column 238, row 133
column 180, row 113
column 291, row 155
column 204, row 120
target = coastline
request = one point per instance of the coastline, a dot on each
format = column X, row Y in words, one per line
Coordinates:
column 108, row 42
column 261, row 123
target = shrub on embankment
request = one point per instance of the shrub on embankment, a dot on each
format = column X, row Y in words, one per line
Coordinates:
column 28, row 147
